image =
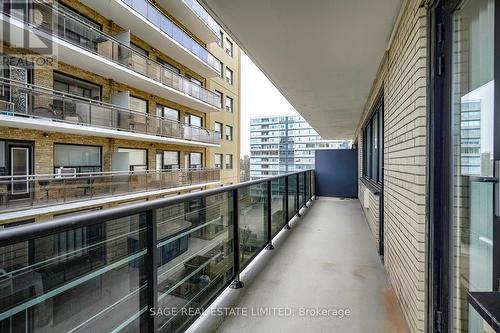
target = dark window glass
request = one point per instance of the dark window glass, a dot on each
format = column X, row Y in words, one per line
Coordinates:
column 372, row 152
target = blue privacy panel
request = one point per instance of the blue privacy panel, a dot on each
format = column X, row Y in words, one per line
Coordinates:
column 337, row 173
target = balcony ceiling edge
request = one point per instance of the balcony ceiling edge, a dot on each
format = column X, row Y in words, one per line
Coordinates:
column 322, row 58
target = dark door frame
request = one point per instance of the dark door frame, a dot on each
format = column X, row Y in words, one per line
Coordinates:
column 21, row 144
column 440, row 160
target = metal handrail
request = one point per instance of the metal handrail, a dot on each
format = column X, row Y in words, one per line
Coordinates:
column 102, row 173
column 38, row 90
column 27, row 232
column 296, row 189
column 149, row 60
column 129, row 3
column 203, row 15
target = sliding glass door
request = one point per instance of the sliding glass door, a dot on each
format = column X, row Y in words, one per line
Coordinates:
column 473, row 182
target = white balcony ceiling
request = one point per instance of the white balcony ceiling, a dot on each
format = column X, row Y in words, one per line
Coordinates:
column 323, row 55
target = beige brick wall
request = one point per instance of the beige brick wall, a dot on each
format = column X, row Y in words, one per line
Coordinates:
column 405, row 163
column 44, row 77
column 371, row 213
column 403, row 80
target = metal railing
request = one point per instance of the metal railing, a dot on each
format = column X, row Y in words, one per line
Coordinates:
column 34, row 191
column 40, row 102
column 56, row 22
column 159, row 20
column 203, row 15
column 145, row 267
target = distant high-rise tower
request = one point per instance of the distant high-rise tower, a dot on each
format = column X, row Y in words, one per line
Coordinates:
column 281, row 144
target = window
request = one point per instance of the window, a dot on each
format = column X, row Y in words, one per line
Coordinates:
column 138, row 104
column 137, row 158
column 195, row 160
column 74, row 86
column 195, row 81
column 171, row 160
column 139, row 49
column 229, row 161
column 218, row 128
column 169, row 67
column 229, row 75
column 71, row 12
column 372, row 152
column 229, row 104
column 229, row 47
column 220, row 95
column 220, row 42
column 229, row 133
column 167, row 112
column 76, row 158
column 77, row 29
column 193, row 120
column 218, row 161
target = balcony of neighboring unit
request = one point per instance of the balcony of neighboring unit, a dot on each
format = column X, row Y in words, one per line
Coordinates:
column 150, row 24
column 32, row 107
column 195, row 18
column 94, row 273
column 79, row 44
column 22, row 192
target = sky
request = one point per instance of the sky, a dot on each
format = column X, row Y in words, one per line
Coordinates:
column 259, row 97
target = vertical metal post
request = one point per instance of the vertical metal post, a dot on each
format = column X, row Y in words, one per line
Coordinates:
column 287, row 217
column 151, row 269
column 269, row 217
column 297, row 197
column 305, row 190
column 236, row 284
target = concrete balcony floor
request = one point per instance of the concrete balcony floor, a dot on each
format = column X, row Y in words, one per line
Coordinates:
column 328, row 260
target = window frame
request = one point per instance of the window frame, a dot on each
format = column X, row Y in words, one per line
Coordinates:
column 230, row 136
column 160, row 112
column 229, row 75
column 97, row 168
column 373, row 144
column 178, row 165
column 221, row 164
column 229, row 166
column 221, row 127
column 131, row 166
column 229, row 47
column 229, row 106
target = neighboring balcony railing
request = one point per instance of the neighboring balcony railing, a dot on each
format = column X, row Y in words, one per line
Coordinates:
column 203, row 15
column 146, row 267
column 70, row 29
column 19, row 192
column 38, row 102
column 158, row 19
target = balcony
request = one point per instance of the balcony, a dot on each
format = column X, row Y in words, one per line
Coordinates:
column 171, row 257
column 195, row 18
column 147, row 22
column 78, row 44
column 36, row 191
column 49, row 110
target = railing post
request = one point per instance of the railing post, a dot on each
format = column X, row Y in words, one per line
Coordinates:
column 236, row 284
column 313, row 186
column 305, row 190
column 151, row 269
column 269, row 217
column 297, row 197
column 287, row 217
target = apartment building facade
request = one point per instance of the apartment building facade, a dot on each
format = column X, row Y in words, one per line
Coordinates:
column 106, row 103
column 283, row 144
